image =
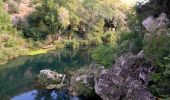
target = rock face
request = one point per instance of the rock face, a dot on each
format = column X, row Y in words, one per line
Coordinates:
column 152, row 24
column 83, row 80
column 126, row 80
column 156, row 27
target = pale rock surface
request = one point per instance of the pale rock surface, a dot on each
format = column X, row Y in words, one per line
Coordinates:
column 152, row 24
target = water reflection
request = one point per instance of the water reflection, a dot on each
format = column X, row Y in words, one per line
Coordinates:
column 16, row 77
column 45, row 95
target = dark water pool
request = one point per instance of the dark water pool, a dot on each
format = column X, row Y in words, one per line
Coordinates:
column 16, row 77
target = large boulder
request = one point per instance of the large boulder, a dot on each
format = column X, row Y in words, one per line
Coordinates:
column 126, row 80
column 51, row 79
column 152, row 24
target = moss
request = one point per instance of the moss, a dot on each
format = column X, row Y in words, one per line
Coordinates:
column 35, row 52
column 81, row 89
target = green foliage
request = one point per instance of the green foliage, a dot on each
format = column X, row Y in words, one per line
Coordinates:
column 34, row 33
column 21, row 24
column 95, row 40
column 104, row 55
column 109, row 38
column 10, row 43
column 49, row 17
column 35, row 2
column 150, row 8
column 10, row 53
column 72, row 44
column 158, row 49
column 82, row 21
column 129, row 42
column 58, row 17
column 83, row 43
column 82, row 89
column 5, row 21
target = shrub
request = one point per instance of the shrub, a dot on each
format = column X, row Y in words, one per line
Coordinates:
column 95, row 40
column 13, row 7
column 59, row 44
column 34, row 33
column 10, row 43
column 158, row 50
column 109, row 38
column 104, row 55
column 35, row 44
column 34, row 2
column 5, row 21
column 83, row 42
column 72, row 44
column 3, row 57
column 21, row 24
column 129, row 42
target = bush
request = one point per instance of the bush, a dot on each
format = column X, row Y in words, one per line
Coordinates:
column 158, row 50
column 34, row 33
column 34, row 44
column 72, row 44
column 5, row 21
column 129, row 42
column 13, row 7
column 104, row 55
column 83, row 42
column 3, row 57
column 95, row 40
column 59, row 44
column 10, row 43
column 109, row 38
column 21, row 24
column 34, row 2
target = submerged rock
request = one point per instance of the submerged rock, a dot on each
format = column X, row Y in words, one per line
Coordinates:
column 126, row 80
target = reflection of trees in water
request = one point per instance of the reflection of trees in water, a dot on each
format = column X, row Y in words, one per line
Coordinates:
column 16, row 76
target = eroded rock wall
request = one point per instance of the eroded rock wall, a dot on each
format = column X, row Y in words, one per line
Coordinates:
column 126, row 80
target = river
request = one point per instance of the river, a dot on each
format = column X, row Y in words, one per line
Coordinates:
column 17, row 76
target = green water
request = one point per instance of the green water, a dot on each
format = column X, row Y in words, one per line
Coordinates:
column 17, row 76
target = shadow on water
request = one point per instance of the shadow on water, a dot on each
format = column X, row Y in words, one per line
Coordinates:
column 16, row 77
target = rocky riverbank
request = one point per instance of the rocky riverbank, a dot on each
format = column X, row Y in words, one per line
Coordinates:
column 127, row 79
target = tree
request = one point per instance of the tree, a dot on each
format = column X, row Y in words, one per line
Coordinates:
column 5, row 20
